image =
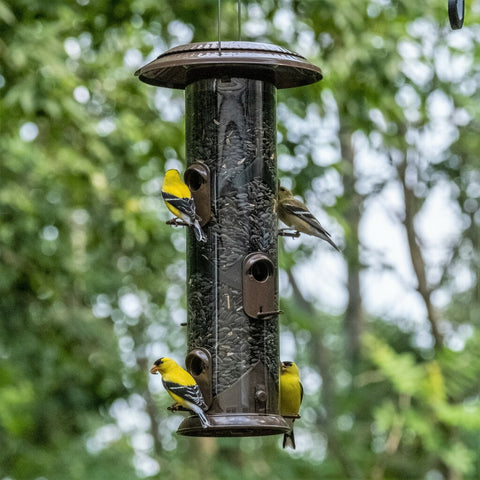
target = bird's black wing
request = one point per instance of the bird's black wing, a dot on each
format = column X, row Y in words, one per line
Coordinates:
column 185, row 205
column 304, row 214
column 301, row 392
column 191, row 393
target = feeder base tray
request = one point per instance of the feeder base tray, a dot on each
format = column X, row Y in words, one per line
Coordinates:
column 235, row 425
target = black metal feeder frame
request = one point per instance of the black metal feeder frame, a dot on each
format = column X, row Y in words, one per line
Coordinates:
column 232, row 279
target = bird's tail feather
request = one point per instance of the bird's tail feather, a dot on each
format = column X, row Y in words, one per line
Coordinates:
column 289, row 440
column 327, row 238
column 203, row 418
column 199, row 235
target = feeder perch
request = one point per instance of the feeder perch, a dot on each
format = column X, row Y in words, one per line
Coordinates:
column 232, row 279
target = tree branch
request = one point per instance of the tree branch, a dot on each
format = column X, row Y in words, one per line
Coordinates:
column 418, row 262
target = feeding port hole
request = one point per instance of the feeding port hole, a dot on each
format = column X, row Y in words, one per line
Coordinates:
column 261, row 270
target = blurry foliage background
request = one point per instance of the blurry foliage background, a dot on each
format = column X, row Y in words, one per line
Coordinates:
column 384, row 150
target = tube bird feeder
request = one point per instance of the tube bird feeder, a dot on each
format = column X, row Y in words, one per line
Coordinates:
column 232, row 279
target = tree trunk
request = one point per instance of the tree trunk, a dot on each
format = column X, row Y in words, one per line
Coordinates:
column 353, row 320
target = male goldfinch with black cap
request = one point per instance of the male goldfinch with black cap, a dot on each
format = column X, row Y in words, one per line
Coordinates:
column 182, row 387
column 179, row 201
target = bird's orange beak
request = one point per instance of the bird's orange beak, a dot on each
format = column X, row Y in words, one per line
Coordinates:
column 154, row 370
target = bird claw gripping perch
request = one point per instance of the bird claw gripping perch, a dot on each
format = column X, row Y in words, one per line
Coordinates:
column 289, row 232
column 176, row 222
column 177, row 408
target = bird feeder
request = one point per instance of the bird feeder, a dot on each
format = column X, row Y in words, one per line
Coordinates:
column 232, row 279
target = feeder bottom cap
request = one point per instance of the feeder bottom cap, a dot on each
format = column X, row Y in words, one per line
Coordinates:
column 235, row 425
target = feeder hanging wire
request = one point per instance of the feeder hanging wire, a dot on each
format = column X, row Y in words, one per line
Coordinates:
column 219, row 29
column 239, row 20
column 239, row 24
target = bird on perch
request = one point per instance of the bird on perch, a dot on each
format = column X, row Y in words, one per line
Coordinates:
column 291, row 395
column 179, row 201
column 295, row 214
column 182, row 387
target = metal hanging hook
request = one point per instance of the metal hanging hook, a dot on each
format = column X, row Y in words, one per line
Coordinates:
column 456, row 13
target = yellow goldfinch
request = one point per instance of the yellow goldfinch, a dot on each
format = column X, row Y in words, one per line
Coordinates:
column 291, row 395
column 179, row 201
column 181, row 386
column 295, row 214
